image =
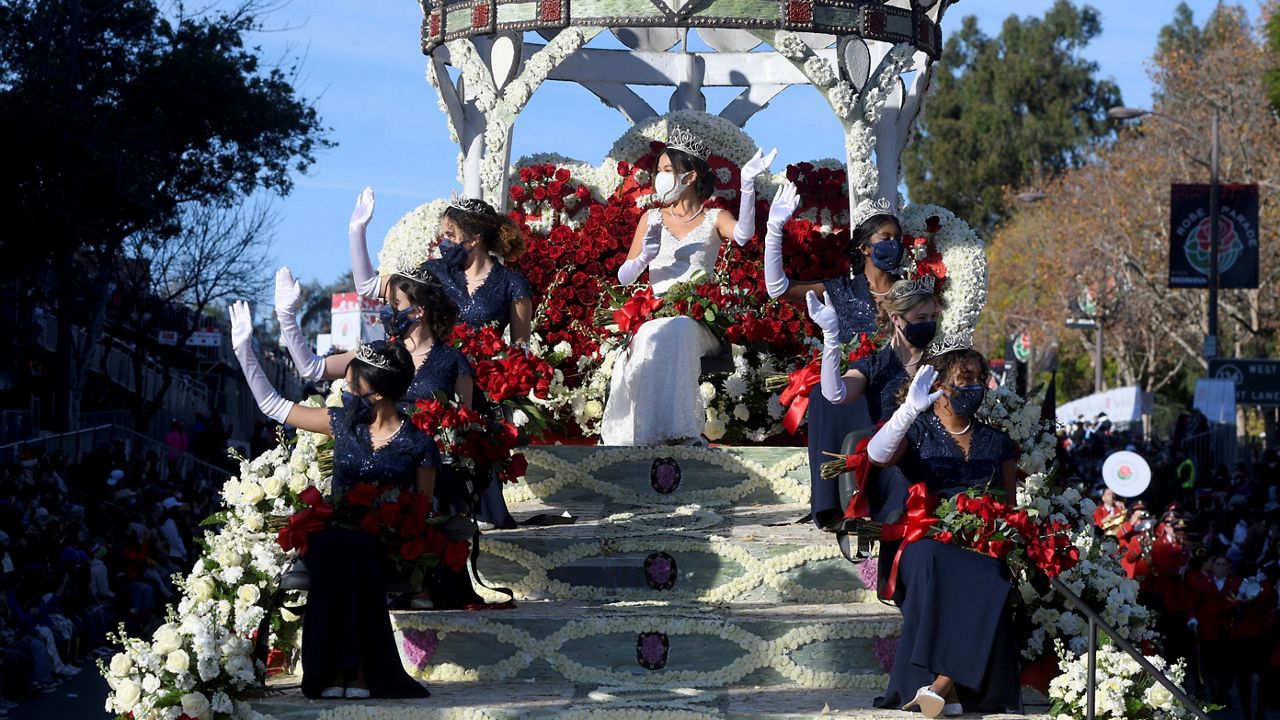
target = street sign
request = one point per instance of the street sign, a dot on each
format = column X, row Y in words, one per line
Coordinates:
column 1082, row 323
column 1191, row 243
column 1257, row 381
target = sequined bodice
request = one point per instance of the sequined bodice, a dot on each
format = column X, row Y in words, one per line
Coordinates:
column 885, row 375
column 679, row 259
column 934, row 457
column 854, row 305
column 490, row 304
column 438, row 372
column 395, row 463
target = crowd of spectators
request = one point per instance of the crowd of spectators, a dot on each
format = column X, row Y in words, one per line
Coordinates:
column 1203, row 541
column 86, row 545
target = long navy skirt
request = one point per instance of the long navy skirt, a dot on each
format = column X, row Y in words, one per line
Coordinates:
column 828, row 424
column 956, row 621
column 346, row 627
column 493, row 506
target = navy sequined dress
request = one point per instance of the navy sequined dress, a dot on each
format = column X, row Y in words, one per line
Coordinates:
column 346, row 627
column 491, row 302
column 439, row 371
column 828, row 423
column 489, row 305
column 956, row 615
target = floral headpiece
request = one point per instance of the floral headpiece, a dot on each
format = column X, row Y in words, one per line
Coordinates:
column 961, row 340
column 923, row 285
column 368, row 353
column 868, row 209
column 469, row 205
column 682, row 139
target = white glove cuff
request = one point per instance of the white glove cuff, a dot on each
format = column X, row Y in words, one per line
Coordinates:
column 308, row 364
column 833, row 388
column 632, row 268
column 887, row 439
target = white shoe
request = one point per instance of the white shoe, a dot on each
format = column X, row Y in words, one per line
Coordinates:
column 69, row 671
column 357, row 693
column 331, row 693
column 485, row 526
column 952, row 710
column 929, row 703
column 422, row 604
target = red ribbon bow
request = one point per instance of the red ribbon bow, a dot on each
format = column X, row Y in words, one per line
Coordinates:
column 859, row 463
column 796, row 395
column 303, row 523
column 915, row 525
column 636, row 311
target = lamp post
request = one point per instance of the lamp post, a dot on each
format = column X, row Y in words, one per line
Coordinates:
column 1128, row 113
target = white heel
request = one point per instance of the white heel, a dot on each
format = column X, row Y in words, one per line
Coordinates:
column 929, row 703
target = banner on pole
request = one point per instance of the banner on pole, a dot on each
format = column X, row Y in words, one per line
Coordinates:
column 1189, row 243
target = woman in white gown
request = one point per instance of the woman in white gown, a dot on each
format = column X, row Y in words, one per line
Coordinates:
column 653, row 394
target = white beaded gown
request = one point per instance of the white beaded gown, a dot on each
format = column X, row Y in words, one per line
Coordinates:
column 653, row 394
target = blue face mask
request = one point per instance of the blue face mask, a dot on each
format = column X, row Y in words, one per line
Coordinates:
column 452, row 253
column 887, row 255
column 360, row 408
column 396, row 323
column 966, row 399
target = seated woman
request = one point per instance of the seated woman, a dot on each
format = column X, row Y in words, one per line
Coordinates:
column 653, row 394
column 348, row 649
column 957, row 645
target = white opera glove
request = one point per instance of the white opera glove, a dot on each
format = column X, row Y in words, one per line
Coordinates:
column 308, row 364
column 746, row 227
column 361, row 267
column 785, row 202
column 269, row 401
column 887, row 439
column 649, row 248
column 824, row 316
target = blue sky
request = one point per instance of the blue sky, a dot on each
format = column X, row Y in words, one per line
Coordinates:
column 361, row 63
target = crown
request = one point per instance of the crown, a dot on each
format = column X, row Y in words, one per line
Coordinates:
column 368, row 353
column 420, row 273
column 960, row 340
column 923, row 285
column 474, row 206
column 868, row 209
column 680, row 138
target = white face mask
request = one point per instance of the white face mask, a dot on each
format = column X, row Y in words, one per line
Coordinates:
column 668, row 188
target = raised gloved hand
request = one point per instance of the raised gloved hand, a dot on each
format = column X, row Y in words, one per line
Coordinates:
column 367, row 282
column 288, row 291
column 887, row 439
column 746, row 225
column 759, row 163
column 785, row 202
column 269, row 401
column 651, row 245
column 825, row 317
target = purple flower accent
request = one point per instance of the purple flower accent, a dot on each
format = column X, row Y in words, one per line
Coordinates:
column 660, row 571
column 419, row 647
column 664, row 475
column 651, row 650
column 869, row 571
column 886, row 651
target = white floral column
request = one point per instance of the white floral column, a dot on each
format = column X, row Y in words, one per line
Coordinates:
column 861, row 110
column 482, row 110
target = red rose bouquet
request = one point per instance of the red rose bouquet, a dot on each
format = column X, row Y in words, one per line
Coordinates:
column 508, row 376
column 978, row 520
column 469, row 440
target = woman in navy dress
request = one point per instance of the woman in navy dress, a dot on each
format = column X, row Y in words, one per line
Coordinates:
column 875, row 260
column 958, row 650
column 348, row 649
column 488, row 292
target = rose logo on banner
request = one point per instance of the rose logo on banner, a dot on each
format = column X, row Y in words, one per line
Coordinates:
column 1230, row 247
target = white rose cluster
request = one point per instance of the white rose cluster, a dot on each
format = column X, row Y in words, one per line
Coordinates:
column 1121, row 686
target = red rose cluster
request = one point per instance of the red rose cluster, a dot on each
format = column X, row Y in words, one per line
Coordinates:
column 403, row 520
column 502, row 372
column 468, row 439
column 982, row 523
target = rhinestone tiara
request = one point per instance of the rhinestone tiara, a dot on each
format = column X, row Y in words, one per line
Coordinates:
column 680, row 138
column 868, row 209
column 419, row 273
column 469, row 205
column 962, row 340
column 368, row 353
column 923, row 285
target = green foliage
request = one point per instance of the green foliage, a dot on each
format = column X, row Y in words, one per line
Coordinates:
column 121, row 112
column 1272, row 78
column 1008, row 111
column 1182, row 34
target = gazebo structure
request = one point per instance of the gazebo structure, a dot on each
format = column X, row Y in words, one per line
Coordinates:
column 871, row 60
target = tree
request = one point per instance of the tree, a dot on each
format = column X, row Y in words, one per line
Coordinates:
column 220, row 255
column 1109, row 219
column 1008, row 111
column 1273, row 50
column 117, row 117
